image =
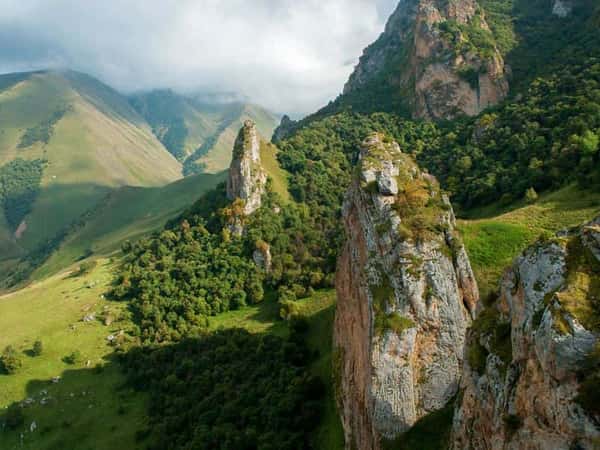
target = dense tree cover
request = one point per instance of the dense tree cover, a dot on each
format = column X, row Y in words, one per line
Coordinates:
column 196, row 268
column 19, row 185
column 43, row 131
column 543, row 140
column 230, row 390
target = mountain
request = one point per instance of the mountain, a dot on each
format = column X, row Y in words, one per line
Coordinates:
column 198, row 134
column 66, row 140
column 414, row 266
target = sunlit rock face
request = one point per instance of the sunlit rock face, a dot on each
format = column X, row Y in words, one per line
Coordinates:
column 247, row 179
column 406, row 296
column 425, row 53
column 523, row 373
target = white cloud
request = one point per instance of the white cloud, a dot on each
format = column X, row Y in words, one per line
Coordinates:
column 289, row 55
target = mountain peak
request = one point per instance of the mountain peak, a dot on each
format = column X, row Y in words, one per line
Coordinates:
column 435, row 59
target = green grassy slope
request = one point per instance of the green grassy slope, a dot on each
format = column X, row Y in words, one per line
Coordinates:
column 199, row 134
column 98, row 144
column 494, row 237
column 87, row 408
column 127, row 214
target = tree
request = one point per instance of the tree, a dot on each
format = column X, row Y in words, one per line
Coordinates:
column 11, row 361
column 14, row 416
column 38, row 348
column 531, row 196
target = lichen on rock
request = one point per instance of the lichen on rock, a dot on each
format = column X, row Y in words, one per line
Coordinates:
column 406, row 295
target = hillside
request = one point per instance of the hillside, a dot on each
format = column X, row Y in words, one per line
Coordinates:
column 65, row 141
column 198, row 134
column 450, row 195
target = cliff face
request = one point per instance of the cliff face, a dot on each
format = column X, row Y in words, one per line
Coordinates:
column 406, row 295
column 529, row 353
column 439, row 55
column 247, row 179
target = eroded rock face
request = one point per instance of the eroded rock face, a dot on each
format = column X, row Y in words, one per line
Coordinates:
column 247, row 179
column 433, row 67
column 520, row 385
column 406, row 295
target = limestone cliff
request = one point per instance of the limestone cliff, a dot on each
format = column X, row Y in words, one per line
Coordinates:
column 529, row 353
column 439, row 56
column 247, row 179
column 406, row 296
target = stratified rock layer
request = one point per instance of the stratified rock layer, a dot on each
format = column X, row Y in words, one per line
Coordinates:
column 247, row 179
column 425, row 55
column 520, row 385
column 406, row 295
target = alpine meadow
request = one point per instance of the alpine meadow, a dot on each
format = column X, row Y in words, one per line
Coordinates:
column 222, row 227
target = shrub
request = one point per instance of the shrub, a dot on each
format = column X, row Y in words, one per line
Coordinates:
column 11, row 360
column 73, row 358
column 14, row 416
column 38, row 348
column 531, row 196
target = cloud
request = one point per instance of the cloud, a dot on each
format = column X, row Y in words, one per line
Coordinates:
column 289, row 55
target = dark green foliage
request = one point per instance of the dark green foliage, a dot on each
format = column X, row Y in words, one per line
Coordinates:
column 85, row 267
column 195, row 269
column 542, row 141
column 38, row 348
column 14, row 417
column 477, row 355
column 10, row 360
column 432, row 432
column 19, row 185
column 589, row 390
column 73, row 358
column 43, row 131
column 320, row 157
column 231, row 390
column 489, row 323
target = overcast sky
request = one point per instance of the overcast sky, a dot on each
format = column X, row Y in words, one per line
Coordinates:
column 288, row 55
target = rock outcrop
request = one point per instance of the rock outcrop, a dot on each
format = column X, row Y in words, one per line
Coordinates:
column 247, row 179
column 406, row 296
column 433, row 56
column 528, row 353
column 562, row 8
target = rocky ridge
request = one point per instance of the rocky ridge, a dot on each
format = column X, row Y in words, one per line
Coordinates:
column 529, row 357
column 426, row 55
column 406, row 296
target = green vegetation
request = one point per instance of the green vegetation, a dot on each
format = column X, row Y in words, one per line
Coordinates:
column 19, row 186
column 10, row 360
column 38, row 348
column 494, row 236
column 589, row 390
column 198, row 134
column 87, row 407
column 581, row 298
column 262, row 384
column 43, row 131
column 432, row 432
column 489, row 323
